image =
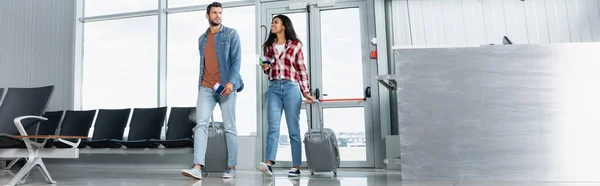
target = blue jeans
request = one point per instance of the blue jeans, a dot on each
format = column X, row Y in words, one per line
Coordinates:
column 207, row 100
column 284, row 95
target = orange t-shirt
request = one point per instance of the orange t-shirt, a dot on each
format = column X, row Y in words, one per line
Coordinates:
column 211, row 63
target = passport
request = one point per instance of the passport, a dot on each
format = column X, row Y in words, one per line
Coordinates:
column 264, row 60
column 218, row 88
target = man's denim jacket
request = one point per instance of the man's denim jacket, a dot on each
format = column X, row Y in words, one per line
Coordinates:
column 229, row 55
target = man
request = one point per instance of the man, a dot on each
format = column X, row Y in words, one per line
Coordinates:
column 220, row 59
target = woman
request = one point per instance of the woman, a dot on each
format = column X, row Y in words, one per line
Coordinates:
column 288, row 81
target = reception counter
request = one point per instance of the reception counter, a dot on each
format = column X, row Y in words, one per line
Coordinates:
column 499, row 113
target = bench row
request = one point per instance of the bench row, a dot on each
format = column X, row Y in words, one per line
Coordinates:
column 145, row 128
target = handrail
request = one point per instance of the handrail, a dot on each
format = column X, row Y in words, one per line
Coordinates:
column 342, row 99
column 338, row 100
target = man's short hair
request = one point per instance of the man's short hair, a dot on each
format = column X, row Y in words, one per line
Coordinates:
column 214, row 4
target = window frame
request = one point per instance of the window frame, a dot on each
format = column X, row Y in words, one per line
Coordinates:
column 162, row 12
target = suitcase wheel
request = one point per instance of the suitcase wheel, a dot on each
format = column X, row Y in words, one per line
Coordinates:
column 335, row 173
column 312, row 172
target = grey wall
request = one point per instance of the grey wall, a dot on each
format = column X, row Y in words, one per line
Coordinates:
column 442, row 22
column 37, row 46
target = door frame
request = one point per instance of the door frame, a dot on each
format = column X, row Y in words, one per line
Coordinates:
column 314, row 57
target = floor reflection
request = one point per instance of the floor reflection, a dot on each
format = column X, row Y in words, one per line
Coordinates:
column 93, row 177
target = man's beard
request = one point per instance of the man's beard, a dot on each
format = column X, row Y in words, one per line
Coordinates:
column 212, row 23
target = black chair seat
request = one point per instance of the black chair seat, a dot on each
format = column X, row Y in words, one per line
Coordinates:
column 10, row 142
column 103, row 143
column 59, row 144
column 175, row 143
column 48, row 144
column 137, row 143
column 7, row 141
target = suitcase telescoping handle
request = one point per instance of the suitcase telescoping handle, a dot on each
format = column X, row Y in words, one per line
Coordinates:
column 319, row 108
column 211, row 124
column 319, row 114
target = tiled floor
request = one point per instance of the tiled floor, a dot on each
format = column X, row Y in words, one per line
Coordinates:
column 346, row 177
column 130, row 177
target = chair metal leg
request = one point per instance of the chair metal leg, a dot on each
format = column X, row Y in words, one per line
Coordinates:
column 11, row 174
column 21, row 174
column 7, row 173
column 33, row 149
column 24, row 172
column 11, row 164
column 25, row 178
column 44, row 171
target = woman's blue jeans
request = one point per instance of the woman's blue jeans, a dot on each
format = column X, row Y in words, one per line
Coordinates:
column 284, row 95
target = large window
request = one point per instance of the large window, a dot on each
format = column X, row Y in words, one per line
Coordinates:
column 183, row 60
column 102, row 7
column 120, row 68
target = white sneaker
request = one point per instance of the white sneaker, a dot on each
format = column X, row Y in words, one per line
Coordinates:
column 294, row 172
column 265, row 169
column 230, row 173
column 192, row 173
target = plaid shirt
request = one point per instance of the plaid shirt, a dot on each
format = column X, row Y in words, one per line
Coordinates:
column 288, row 65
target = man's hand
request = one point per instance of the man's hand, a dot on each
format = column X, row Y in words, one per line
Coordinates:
column 310, row 98
column 227, row 90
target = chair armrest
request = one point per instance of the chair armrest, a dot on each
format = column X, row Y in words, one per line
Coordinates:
column 22, row 131
column 19, row 125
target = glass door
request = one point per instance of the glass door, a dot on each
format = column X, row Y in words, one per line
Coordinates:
column 336, row 53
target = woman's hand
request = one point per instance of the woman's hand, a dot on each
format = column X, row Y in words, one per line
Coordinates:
column 266, row 67
column 310, row 98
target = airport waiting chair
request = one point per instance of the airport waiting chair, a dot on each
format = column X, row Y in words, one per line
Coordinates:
column 22, row 108
column 179, row 129
column 110, row 125
column 75, row 123
column 49, row 126
column 20, row 102
column 145, row 125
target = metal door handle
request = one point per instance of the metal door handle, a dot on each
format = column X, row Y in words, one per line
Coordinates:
column 317, row 93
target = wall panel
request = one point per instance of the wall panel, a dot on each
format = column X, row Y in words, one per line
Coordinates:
column 37, row 45
column 457, row 22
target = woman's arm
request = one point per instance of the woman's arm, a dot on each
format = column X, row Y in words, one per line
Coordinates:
column 302, row 72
